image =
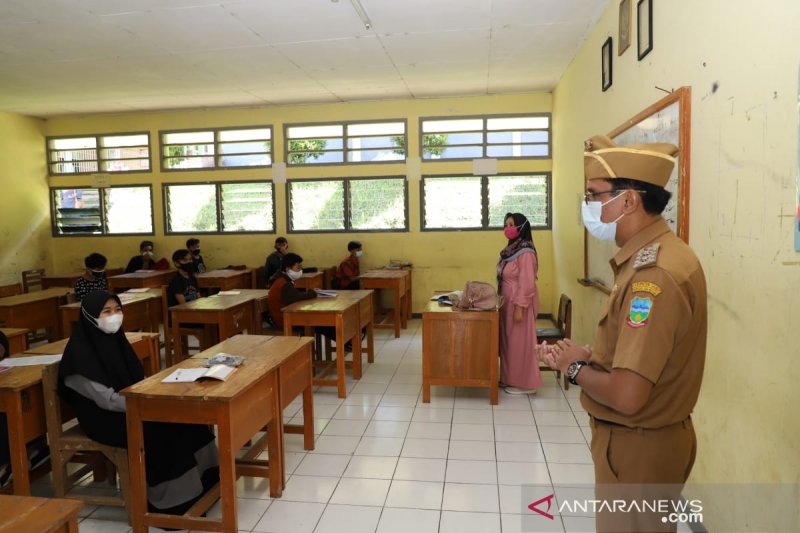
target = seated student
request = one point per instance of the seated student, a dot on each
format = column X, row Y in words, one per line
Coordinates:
column 145, row 260
column 348, row 272
column 183, row 287
column 181, row 461
column 273, row 263
column 38, row 452
column 94, row 279
column 283, row 292
column 193, row 245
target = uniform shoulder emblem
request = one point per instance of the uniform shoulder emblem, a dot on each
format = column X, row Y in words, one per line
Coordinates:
column 646, row 256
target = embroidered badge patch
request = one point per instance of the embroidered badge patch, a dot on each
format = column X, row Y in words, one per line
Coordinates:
column 647, row 256
column 646, row 286
column 640, row 312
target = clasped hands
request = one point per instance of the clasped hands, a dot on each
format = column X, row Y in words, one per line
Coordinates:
column 560, row 355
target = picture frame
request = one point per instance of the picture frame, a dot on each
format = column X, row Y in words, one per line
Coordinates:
column 644, row 27
column 624, row 35
column 606, row 64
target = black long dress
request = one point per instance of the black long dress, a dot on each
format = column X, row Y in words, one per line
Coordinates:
column 181, row 460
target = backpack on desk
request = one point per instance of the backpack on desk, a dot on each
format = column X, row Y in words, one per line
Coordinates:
column 478, row 296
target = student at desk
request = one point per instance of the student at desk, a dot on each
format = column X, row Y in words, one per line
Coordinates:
column 193, row 245
column 146, row 259
column 181, row 461
column 282, row 292
column 183, row 287
column 94, row 278
column 346, row 277
column 272, row 266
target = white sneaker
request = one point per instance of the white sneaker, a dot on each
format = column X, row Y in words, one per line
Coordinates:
column 519, row 390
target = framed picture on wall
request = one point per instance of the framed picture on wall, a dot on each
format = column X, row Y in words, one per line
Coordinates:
column 624, row 37
column 606, row 63
column 644, row 27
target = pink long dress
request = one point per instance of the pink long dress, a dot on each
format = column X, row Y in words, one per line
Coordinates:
column 519, row 366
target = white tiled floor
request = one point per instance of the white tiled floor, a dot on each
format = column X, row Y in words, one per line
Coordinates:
column 385, row 462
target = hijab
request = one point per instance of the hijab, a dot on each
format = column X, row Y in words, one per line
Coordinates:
column 106, row 358
column 515, row 248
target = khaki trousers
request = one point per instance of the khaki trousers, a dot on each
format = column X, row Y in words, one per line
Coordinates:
column 640, row 464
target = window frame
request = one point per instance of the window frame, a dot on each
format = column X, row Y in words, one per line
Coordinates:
column 216, row 142
column 98, row 147
column 104, row 222
column 348, row 221
column 548, row 175
column 485, row 132
column 218, row 186
column 343, row 138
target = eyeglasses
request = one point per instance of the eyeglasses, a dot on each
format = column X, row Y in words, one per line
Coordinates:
column 590, row 196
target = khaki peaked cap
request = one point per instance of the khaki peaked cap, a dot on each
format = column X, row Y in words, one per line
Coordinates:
column 650, row 163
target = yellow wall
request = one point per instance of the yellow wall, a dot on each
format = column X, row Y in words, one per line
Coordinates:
column 743, row 193
column 25, row 232
column 442, row 260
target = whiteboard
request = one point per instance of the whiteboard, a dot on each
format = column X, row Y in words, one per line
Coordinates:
column 668, row 120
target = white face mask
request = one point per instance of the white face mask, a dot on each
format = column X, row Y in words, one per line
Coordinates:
column 591, row 213
column 294, row 275
column 107, row 324
column 359, row 253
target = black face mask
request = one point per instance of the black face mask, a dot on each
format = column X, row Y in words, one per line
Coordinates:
column 189, row 268
column 196, row 252
column 99, row 275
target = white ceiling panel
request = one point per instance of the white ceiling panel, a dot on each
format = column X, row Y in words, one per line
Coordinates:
column 82, row 56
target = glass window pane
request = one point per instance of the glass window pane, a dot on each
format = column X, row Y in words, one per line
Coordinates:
column 517, row 150
column 76, row 143
column 310, row 132
column 77, row 211
column 244, row 148
column 73, row 167
column 124, row 140
column 518, row 123
column 247, row 207
column 191, row 208
column 378, row 204
column 518, row 194
column 457, row 152
column 316, row 205
column 374, row 156
column 452, row 202
column 129, row 210
column 252, row 160
column 305, row 158
column 435, row 126
column 383, row 128
column 245, row 135
column 189, row 137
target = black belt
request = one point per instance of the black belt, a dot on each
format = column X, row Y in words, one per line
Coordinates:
column 685, row 422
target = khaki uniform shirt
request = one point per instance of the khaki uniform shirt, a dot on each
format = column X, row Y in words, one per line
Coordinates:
column 654, row 324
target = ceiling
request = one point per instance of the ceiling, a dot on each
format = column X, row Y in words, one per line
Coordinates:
column 61, row 57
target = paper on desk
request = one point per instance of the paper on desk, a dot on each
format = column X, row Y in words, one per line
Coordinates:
column 145, row 271
column 30, row 360
column 228, row 293
column 187, row 375
column 323, row 293
column 141, row 289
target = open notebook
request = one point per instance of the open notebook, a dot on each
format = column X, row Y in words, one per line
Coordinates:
column 186, row 375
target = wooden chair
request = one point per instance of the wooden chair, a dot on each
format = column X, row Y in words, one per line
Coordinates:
column 260, row 279
column 203, row 335
column 560, row 330
column 32, row 279
column 327, row 277
column 10, row 290
column 69, row 444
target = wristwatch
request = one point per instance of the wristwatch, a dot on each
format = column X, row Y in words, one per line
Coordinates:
column 573, row 369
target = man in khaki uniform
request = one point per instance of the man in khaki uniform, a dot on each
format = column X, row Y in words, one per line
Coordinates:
column 641, row 378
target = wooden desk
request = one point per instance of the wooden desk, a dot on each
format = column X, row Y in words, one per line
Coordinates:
column 310, row 280
column 259, row 306
column 26, row 514
column 146, row 346
column 34, row 310
column 139, row 279
column 409, row 299
column 231, row 314
column 395, row 280
column 17, row 339
column 225, row 280
column 341, row 313
column 142, row 312
column 366, row 316
column 459, row 348
column 61, row 280
column 240, row 407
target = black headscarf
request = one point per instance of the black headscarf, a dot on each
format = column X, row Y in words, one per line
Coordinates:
column 105, row 358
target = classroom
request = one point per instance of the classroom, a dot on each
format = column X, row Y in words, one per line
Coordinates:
column 173, row 83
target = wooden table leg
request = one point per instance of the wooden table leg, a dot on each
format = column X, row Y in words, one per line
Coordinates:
column 398, row 310
column 138, row 489
column 16, row 441
column 227, row 473
column 177, row 348
column 340, row 354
